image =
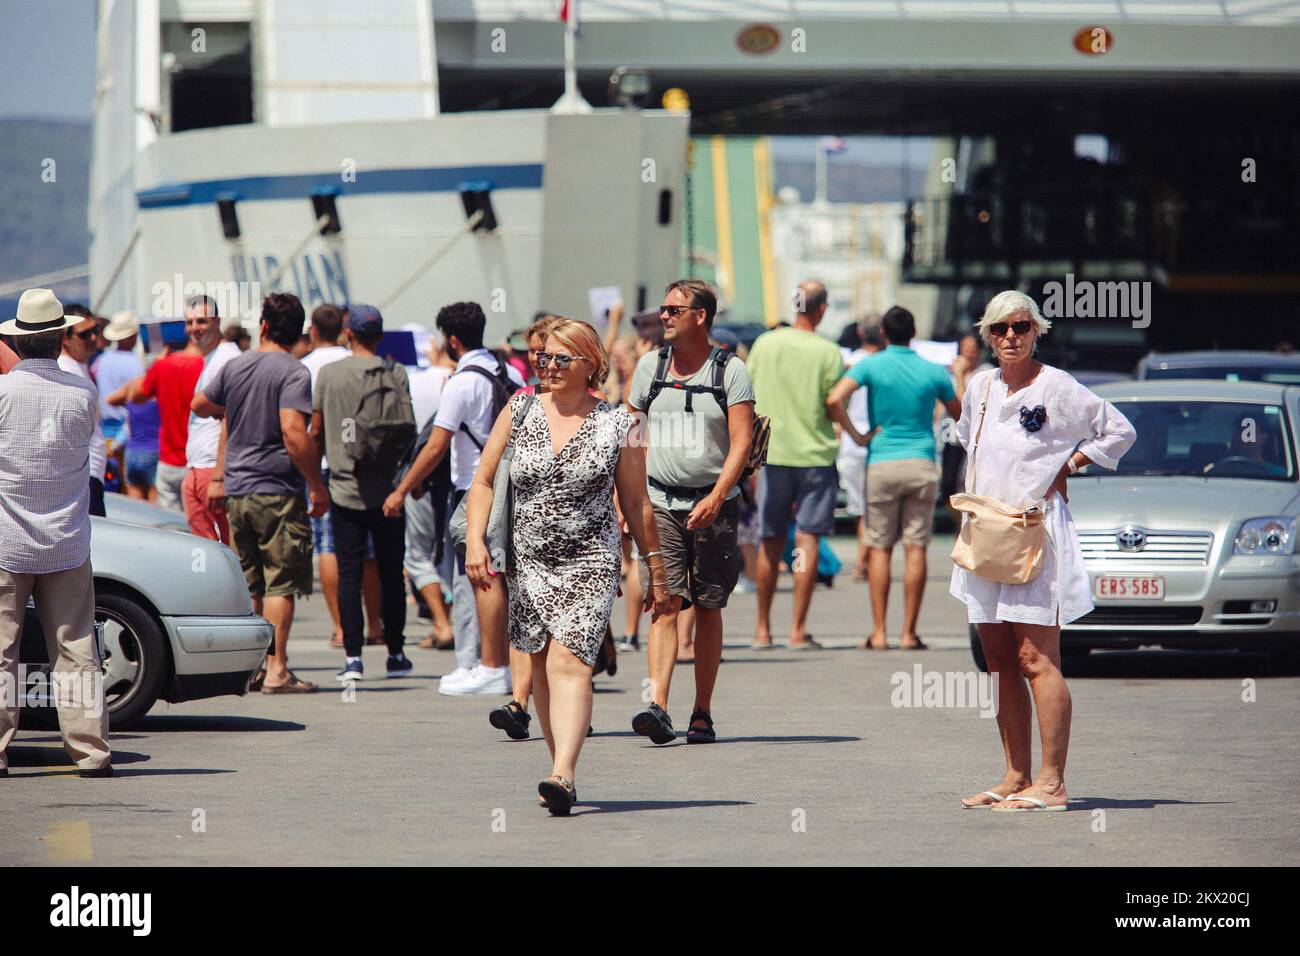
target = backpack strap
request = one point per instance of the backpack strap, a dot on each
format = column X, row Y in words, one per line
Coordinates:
column 660, row 377
column 719, row 358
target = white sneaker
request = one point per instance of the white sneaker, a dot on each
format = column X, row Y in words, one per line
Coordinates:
column 457, row 676
column 481, row 680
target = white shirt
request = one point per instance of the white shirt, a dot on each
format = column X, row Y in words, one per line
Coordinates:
column 467, row 399
column 426, row 386
column 47, row 416
column 97, row 451
column 1017, row 467
column 205, row 433
column 857, row 408
column 317, row 359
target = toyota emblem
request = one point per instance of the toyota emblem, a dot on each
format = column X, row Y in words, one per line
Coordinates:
column 1131, row 539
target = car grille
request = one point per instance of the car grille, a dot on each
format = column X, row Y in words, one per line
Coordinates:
column 1141, row 617
column 1179, row 548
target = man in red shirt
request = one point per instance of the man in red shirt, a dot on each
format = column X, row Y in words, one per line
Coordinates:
column 170, row 379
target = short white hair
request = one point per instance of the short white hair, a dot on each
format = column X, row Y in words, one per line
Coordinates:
column 1006, row 304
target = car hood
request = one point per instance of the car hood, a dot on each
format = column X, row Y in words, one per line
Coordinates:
column 178, row 573
column 1177, row 502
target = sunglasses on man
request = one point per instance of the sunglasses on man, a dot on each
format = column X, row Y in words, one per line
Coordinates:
column 672, row 311
column 561, row 360
column 85, row 335
column 999, row 329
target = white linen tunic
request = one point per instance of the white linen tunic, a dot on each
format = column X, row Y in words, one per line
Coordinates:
column 1017, row 467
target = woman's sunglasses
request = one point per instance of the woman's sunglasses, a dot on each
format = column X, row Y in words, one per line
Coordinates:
column 1020, row 328
column 562, row 361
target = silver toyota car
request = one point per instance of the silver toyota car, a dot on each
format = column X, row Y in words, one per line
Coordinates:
column 1192, row 542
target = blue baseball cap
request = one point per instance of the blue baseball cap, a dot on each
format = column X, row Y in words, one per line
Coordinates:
column 365, row 320
column 725, row 339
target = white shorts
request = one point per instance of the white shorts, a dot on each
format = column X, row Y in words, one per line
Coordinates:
column 853, row 479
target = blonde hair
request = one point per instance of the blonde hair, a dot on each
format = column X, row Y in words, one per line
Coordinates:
column 585, row 342
column 542, row 327
column 1006, row 304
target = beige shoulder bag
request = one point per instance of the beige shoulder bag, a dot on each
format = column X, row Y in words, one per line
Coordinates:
column 996, row 541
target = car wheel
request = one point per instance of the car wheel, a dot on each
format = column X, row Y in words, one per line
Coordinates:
column 977, row 649
column 136, row 663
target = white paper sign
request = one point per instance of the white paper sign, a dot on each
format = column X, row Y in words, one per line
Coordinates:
column 942, row 353
column 602, row 299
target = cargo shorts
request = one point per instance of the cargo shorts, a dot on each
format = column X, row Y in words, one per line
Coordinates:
column 702, row 566
column 272, row 536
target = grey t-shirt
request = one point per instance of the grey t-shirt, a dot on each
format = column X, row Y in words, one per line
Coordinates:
column 254, row 387
column 337, row 394
column 687, row 449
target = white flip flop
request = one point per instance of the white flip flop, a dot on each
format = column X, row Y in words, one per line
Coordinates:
column 1038, row 807
column 996, row 798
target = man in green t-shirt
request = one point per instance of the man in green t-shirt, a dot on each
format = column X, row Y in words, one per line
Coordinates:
column 902, row 480
column 794, row 370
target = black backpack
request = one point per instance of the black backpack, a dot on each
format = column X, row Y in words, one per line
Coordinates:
column 503, row 386
column 384, row 420
column 718, row 357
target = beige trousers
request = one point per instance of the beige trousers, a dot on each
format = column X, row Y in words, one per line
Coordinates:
column 65, row 603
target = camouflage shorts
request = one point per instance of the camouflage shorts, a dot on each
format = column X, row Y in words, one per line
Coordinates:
column 272, row 536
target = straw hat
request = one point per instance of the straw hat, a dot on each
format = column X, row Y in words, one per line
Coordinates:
column 38, row 311
column 121, row 326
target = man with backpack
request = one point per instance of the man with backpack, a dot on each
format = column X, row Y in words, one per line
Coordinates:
column 363, row 423
column 700, row 408
column 471, row 400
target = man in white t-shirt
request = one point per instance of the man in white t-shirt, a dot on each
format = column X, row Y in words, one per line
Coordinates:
column 466, row 413
column 203, row 326
column 78, row 343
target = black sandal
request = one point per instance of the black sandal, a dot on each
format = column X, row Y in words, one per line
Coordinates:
column 512, row 718
column 557, row 795
column 700, row 734
column 654, row 722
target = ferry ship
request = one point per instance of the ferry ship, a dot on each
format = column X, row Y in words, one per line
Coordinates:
column 248, row 146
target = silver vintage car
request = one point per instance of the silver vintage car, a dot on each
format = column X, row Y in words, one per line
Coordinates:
column 1191, row 543
column 172, row 614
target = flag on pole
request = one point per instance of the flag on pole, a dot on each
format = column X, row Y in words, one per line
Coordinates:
column 569, row 15
column 830, row 145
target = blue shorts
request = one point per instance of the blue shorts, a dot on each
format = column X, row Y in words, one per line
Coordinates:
column 805, row 494
column 141, row 467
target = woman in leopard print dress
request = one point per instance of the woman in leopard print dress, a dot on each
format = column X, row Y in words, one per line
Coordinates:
column 571, row 450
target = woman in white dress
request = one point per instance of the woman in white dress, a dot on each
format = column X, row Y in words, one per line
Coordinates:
column 1040, row 426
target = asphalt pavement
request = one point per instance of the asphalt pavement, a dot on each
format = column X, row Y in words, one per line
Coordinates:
column 1176, row 759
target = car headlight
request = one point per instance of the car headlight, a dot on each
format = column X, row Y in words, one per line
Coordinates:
column 1266, row 536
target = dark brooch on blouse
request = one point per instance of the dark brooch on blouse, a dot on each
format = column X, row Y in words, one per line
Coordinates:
column 1031, row 419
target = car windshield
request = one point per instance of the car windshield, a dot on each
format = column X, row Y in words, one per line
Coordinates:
column 1207, row 440
column 1278, row 375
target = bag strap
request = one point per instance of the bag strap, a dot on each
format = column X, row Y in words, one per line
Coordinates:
column 660, row 378
column 984, row 406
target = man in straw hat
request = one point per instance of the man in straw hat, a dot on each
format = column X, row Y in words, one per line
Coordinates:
column 47, row 418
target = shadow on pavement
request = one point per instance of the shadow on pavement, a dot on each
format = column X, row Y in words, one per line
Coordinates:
column 634, row 806
column 1106, row 803
column 208, row 723
column 1176, row 664
column 810, row 739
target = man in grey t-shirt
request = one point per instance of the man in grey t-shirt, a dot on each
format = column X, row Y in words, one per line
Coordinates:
column 696, row 453
column 263, row 456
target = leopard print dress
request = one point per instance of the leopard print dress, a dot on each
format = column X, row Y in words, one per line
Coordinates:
column 566, row 538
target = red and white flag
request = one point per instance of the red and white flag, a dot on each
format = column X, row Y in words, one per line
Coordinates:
column 569, row 14
column 830, row 145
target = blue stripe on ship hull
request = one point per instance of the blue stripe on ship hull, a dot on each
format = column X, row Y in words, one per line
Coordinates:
column 258, row 188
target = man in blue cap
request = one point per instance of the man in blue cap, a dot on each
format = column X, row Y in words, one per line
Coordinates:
column 363, row 422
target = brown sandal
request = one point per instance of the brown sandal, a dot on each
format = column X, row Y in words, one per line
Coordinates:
column 294, row 685
column 557, row 795
column 255, row 684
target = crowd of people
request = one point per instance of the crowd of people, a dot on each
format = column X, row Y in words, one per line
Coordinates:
column 664, row 463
